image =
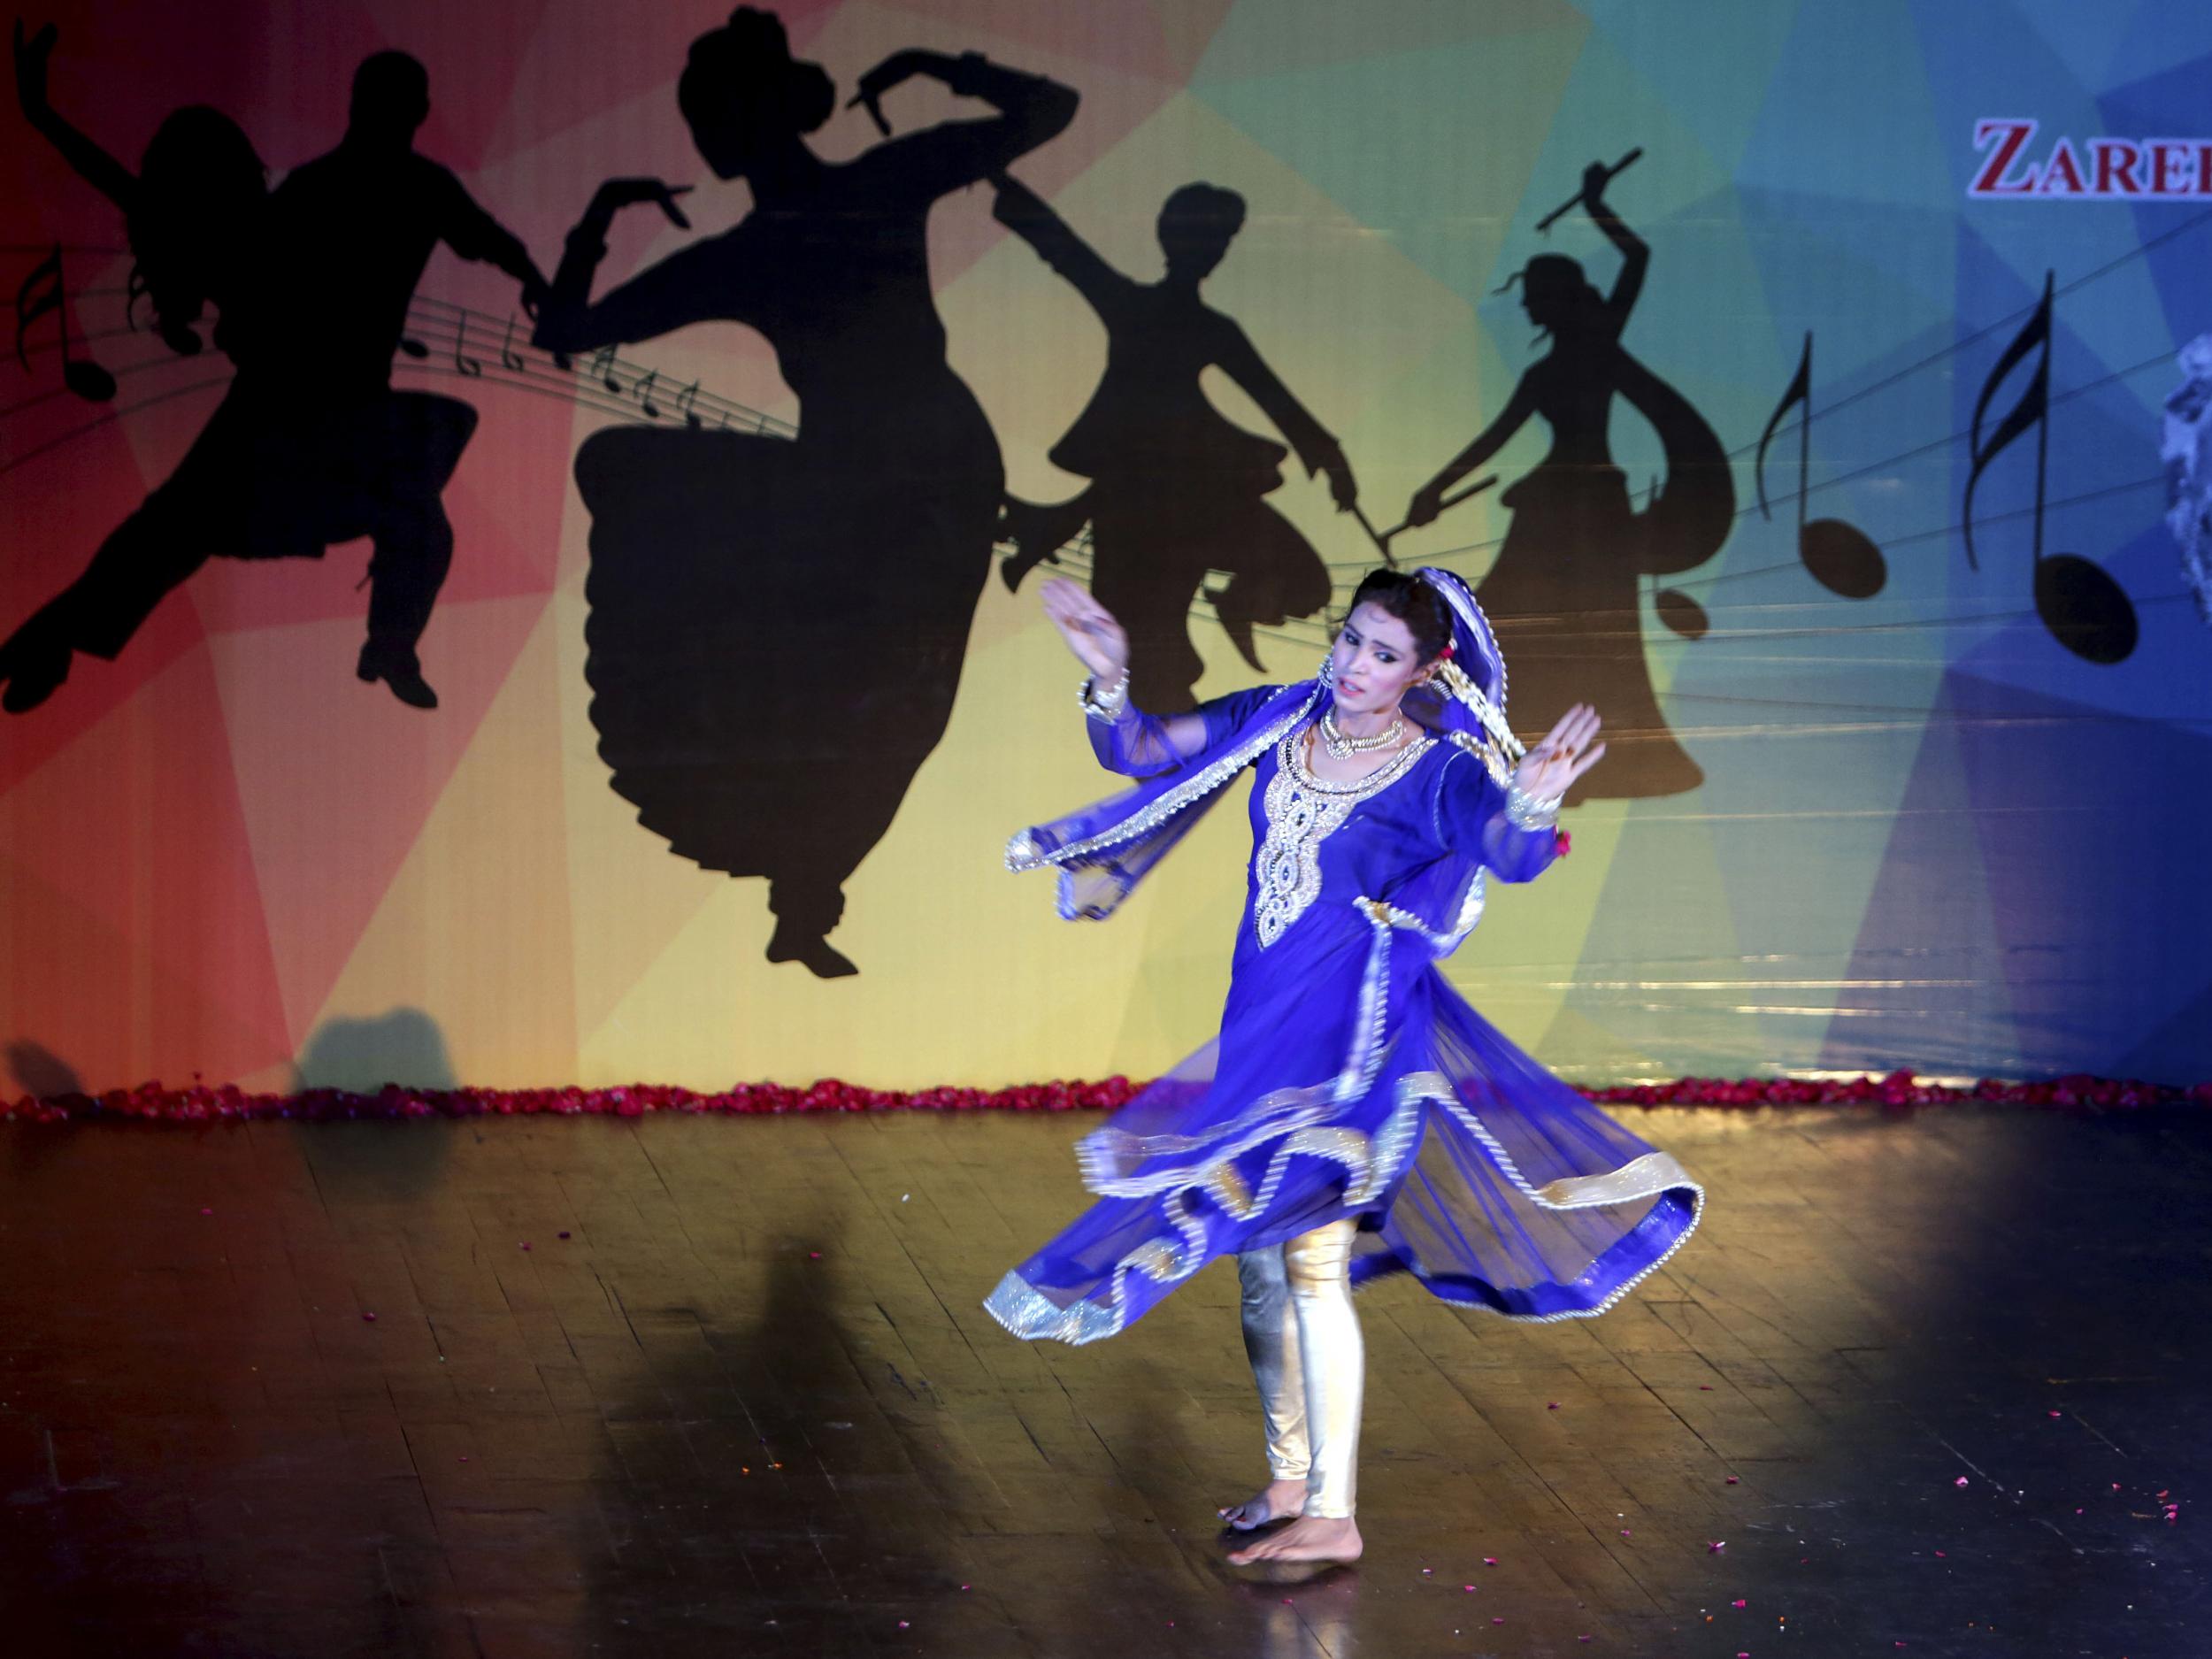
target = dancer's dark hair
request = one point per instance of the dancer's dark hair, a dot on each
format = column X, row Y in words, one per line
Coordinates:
column 1199, row 221
column 200, row 186
column 1558, row 291
column 748, row 63
column 1426, row 614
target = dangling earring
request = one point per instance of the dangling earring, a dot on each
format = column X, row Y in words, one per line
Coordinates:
column 1327, row 676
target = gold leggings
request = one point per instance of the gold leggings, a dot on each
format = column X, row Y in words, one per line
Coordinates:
column 1303, row 1340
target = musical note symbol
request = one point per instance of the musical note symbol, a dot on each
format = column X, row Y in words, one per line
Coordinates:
column 413, row 347
column 461, row 361
column 1837, row 556
column 42, row 292
column 509, row 358
column 602, row 365
column 2086, row 611
column 685, row 399
column 644, row 390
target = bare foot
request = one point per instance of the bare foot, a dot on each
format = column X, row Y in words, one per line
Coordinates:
column 1310, row 1538
column 1276, row 1500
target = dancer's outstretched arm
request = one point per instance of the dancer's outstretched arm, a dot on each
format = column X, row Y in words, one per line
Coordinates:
column 99, row 169
column 1031, row 109
column 1314, row 444
column 1022, row 210
column 1124, row 738
column 1515, row 829
column 1428, row 501
column 680, row 290
column 1635, row 251
column 474, row 233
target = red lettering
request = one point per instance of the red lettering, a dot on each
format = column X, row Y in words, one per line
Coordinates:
column 2169, row 166
column 2204, row 167
column 2010, row 138
column 2061, row 173
column 2110, row 153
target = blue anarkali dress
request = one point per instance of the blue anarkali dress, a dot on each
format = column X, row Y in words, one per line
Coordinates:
column 1349, row 1077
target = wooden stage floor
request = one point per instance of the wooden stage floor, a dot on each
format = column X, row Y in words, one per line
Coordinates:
column 722, row 1386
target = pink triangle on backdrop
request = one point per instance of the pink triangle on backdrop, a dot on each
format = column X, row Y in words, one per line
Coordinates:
column 137, row 823
column 338, row 776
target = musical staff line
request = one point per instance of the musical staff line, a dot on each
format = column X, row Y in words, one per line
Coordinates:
column 109, row 419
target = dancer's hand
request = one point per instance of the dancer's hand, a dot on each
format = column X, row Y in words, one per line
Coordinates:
column 1099, row 642
column 1343, row 487
column 1427, row 502
column 899, row 66
column 1596, row 177
column 1550, row 769
column 31, row 58
column 617, row 194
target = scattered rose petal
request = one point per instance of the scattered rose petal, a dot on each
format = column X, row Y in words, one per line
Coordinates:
column 465, row 1457
column 526, row 1246
column 2053, row 1414
column 1705, row 1387
column 1489, row 1560
column 1941, row 1556
column 1497, row 1621
column 1959, row 1481
column 1738, row 1601
column 368, row 1319
column 901, row 1624
column 564, row 1235
column 207, row 1210
column 1627, row 1533
column 1469, row 1588
column 1714, row 1546
column 1733, row 1481
column 814, row 1255
column 1552, row 1406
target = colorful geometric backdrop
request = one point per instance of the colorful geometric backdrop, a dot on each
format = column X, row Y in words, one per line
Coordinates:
column 1928, row 833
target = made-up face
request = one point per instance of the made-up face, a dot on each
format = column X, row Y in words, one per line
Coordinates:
column 1374, row 662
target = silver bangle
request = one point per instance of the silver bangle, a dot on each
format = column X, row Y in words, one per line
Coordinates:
column 1525, row 811
column 1105, row 705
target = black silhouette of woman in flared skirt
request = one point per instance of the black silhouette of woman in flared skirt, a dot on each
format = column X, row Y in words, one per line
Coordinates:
column 777, row 626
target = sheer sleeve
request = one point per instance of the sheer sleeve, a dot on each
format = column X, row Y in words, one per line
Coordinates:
column 1140, row 745
column 1515, row 837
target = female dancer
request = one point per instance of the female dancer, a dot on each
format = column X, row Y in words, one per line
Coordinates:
column 1354, row 1117
column 728, row 567
column 1564, row 590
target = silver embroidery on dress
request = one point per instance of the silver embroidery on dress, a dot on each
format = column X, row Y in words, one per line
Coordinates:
column 1302, row 811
